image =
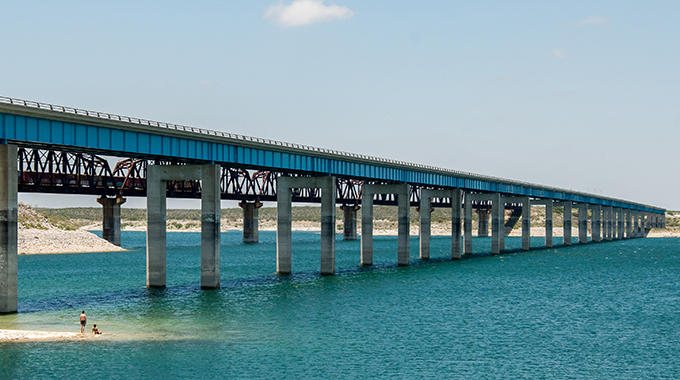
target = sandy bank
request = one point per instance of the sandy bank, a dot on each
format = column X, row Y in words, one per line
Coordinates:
column 26, row 336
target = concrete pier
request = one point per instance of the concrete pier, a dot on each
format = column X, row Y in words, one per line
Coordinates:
column 157, row 177
column 582, row 223
column 526, row 219
column 629, row 223
column 497, row 224
column 349, row 225
column 526, row 224
column 548, row 219
column 402, row 191
column 621, row 223
column 251, row 229
column 548, row 223
column 8, row 229
column 596, row 223
column 636, row 225
column 456, row 241
column 284, row 185
column 467, row 224
column 111, row 218
column 483, row 222
column 610, row 223
column 426, row 196
column 566, row 221
column 424, row 233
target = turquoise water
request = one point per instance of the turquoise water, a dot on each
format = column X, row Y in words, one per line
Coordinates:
column 603, row 311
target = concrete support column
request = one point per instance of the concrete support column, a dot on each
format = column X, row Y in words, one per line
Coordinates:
column 426, row 196
column 328, row 191
column 403, row 224
column 157, row 177
column 425, row 224
column 456, row 248
column 111, row 218
column 629, row 223
column 349, row 225
column 284, row 220
column 403, row 221
column 620, row 223
column 483, row 222
column 8, row 229
column 251, row 230
column 284, row 185
column 610, row 223
column 566, row 222
column 596, row 223
column 583, row 223
column 526, row 224
column 155, row 228
column 549, row 224
column 366, row 226
column 467, row 224
column 210, row 226
column 497, row 223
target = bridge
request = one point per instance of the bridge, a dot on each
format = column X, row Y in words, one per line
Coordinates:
column 56, row 149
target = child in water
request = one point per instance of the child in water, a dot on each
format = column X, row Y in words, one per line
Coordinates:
column 95, row 330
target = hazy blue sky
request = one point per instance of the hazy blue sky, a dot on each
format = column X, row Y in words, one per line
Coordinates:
column 576, row 94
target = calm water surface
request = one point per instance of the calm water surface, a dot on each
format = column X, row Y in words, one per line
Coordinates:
column 596, row 311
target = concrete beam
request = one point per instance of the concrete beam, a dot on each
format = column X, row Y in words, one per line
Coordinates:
column 111, row 218
column 403, row 221
column 284, row 185
column 8, row 229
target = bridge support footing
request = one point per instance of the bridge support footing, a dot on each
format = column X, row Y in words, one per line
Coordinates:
column 251, row 231
column 284, row 219
column 111, row 218
column 157, row 177
column 8, row 229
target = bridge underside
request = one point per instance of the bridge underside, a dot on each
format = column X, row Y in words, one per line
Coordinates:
column 76, row 173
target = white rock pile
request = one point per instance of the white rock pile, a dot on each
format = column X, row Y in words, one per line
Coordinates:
column 37, row 235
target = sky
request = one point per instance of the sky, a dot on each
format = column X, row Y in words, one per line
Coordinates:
column 583, row 95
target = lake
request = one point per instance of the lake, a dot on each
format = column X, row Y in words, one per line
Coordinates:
column 607, row 310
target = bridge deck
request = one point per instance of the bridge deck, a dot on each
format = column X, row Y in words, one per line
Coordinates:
column 32, row 124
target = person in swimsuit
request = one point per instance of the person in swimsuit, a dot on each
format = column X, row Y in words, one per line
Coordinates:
column 95, row 330
column 83, row 322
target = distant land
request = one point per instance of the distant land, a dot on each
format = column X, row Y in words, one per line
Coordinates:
column 49, row 230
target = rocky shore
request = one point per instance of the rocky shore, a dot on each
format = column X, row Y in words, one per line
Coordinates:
column 37, row 235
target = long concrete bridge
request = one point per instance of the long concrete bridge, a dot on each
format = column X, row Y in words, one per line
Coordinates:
column 51, row 148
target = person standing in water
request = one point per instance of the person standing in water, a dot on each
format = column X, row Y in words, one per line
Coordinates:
column 83, row 322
